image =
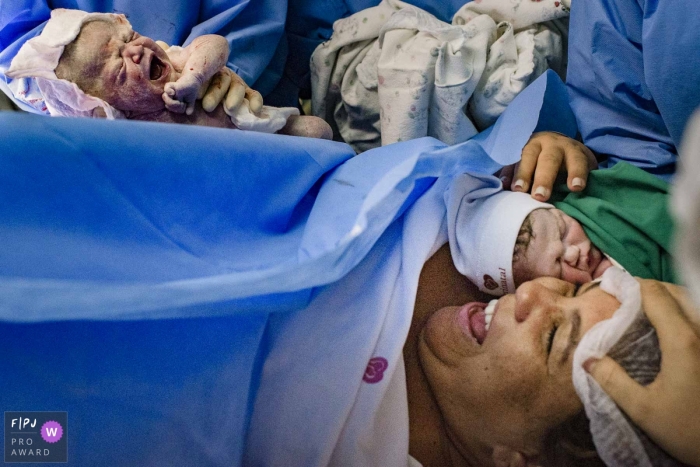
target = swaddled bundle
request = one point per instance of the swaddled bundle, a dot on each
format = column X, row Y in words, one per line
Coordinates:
column 168, row 79
column 395, row 72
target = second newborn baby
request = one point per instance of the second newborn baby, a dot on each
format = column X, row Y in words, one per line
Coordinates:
column 136, row 76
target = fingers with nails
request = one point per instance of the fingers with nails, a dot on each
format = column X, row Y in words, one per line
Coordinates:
column 544, row 156
column 668, row 409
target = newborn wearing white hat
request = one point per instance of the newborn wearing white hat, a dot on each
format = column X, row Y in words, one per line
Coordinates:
column 484, row 224
column 500, row 239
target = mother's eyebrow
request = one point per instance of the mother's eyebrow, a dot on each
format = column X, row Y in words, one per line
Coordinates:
column 588, row 287
column 573, row 337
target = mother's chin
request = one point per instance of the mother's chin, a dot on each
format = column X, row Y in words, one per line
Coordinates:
column 440, row 287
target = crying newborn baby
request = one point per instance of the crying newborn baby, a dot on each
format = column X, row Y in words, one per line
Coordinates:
column 136, row 78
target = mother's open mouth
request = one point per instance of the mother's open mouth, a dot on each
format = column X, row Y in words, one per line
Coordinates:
column 475, row 319
column 157, row 69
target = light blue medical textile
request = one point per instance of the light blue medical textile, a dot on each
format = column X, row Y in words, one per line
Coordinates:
column 111, row 228
column 253, row 28
column 96, row 209
column 633, row 74
column 142, row 393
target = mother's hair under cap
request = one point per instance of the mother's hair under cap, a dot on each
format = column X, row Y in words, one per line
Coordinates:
column 628, row 338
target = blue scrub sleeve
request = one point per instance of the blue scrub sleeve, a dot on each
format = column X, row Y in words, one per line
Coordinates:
column 253, row 28
column 671, row 40
column 632, row 80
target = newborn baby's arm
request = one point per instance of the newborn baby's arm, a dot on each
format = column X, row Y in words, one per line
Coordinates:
column 197, row 62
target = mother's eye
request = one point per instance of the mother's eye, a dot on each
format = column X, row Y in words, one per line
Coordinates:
column 582, row 289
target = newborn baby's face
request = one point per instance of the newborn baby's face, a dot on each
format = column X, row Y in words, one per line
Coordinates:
column 558, row 248
column 118, row 65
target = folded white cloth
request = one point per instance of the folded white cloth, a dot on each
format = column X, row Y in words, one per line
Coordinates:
column 344, row 79
column 428, row 70
column 394, row 72
column 629, row 339
column 270, row 120
column 518, row 14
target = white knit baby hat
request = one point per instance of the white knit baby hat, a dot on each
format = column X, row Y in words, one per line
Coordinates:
column 39, row 56
column 483, row 222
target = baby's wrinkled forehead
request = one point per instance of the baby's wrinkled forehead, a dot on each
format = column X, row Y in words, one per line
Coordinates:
column 100, row 32
column 97, row 42
column 83, row 59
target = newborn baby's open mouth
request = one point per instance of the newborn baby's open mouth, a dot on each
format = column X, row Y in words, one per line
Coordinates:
column 157, row 68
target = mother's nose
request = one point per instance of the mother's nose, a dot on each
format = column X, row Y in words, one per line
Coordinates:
column 531, row 297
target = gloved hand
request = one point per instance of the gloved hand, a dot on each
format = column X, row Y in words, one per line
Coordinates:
column 224, row 84
column 227, row 83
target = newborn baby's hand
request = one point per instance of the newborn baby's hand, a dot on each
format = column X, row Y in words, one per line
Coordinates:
column 542, row 158
column 180, row 96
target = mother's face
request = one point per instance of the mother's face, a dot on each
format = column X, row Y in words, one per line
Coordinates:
column 508, row 387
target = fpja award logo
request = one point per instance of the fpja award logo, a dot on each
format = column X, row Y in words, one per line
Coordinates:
column 36, row 437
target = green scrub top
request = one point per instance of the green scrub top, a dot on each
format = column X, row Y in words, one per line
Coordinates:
column 625, row 212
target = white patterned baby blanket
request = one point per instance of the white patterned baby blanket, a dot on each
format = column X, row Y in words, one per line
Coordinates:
column 395, row 72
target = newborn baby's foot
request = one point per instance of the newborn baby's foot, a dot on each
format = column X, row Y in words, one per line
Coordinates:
column 308, row 126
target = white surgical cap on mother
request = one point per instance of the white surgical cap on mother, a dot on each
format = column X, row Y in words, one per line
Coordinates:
column 629, row 339
column 39, row 56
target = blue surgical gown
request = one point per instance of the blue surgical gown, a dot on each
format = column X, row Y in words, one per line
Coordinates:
column 633, row 77
column 254, row 29
column 106, row 239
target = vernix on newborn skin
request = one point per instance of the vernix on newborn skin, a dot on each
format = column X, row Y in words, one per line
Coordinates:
column 135, row 75
column 552, row 244
column 132, row 73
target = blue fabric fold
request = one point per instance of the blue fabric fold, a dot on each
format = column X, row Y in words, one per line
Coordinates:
column 101, row 226
column 110, row 229
column 632, row 75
